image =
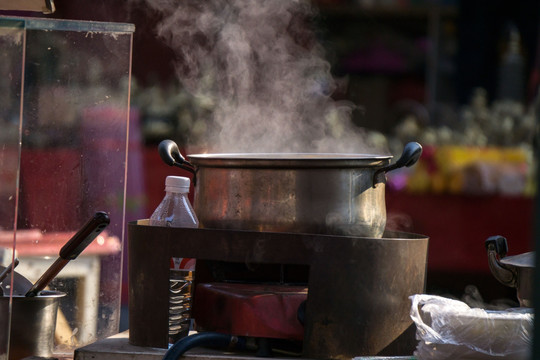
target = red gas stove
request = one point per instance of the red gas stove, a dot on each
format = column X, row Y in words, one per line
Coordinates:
column 252, row 310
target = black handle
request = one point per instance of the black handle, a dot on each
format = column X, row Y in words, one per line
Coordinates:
column 497, row 243
column 71, row 250
column 410, row 155
column 85, row 236
column 170, row 154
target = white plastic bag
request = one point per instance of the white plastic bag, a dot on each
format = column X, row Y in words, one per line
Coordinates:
column 450, row 329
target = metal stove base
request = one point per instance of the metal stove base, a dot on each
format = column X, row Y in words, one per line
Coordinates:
column 117, row 347
column 358, row 288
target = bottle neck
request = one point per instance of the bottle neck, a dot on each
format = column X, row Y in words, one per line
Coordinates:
column 173, row 190
column 176, row 194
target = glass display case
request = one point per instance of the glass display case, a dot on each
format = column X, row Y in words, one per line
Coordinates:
column 64, row 115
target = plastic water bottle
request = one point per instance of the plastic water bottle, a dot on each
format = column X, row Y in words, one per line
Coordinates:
column 175, row 210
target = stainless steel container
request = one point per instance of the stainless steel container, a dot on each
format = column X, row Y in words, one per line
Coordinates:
column 339, row 194
column 33, row 323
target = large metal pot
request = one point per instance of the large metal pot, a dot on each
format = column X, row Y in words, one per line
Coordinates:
column 340, row 194
column 514, row 271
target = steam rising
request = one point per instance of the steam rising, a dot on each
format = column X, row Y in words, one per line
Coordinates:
column 261, row 65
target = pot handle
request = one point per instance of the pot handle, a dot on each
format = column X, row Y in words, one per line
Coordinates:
column 410, row 155
column 497, row 243
column 170, row 154
column 497, row 248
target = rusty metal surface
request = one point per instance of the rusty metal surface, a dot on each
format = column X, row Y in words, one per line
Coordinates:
column 358, row 287
column 360, row 304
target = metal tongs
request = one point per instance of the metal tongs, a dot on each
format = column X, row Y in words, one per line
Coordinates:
column 71, row 250
column 6, row 272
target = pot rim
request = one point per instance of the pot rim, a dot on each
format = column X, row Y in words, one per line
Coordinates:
column 525, row 260
column 289, row 160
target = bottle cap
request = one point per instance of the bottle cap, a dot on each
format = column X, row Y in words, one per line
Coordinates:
column 177, row 184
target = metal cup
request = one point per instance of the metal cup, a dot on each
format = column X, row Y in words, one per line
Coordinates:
column 33, row 323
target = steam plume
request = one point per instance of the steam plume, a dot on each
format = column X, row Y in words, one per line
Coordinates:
column 261, row 64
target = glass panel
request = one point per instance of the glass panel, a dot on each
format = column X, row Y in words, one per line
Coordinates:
column 11, row 60
column 73, row 156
